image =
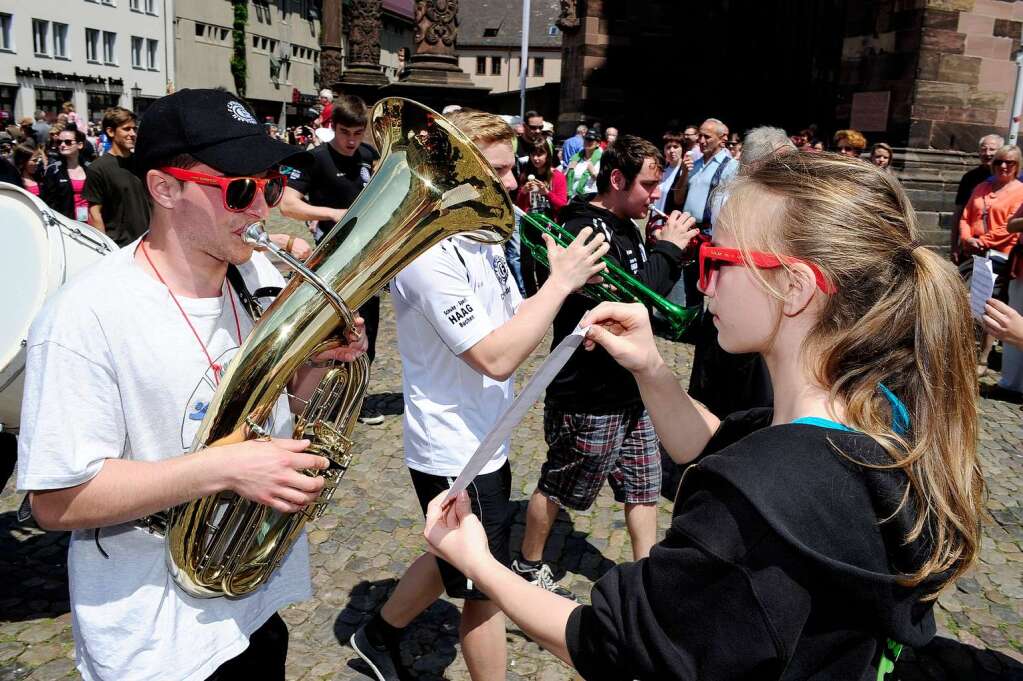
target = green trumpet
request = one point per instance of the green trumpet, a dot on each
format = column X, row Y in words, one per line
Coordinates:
column 618, row 286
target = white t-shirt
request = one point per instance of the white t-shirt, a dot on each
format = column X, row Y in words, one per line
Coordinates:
column 445, row 302
column 667, row 178
column 113, row 371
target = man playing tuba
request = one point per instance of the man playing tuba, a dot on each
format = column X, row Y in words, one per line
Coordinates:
column 121, row 366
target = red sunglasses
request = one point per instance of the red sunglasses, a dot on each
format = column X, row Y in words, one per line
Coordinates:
column 238, row 193
column 712, row 257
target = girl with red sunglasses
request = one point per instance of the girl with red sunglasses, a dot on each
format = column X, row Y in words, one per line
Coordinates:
column 809, row 539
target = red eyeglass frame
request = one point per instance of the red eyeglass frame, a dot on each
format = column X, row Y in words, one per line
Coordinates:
column 224, row 181
column 764, row 261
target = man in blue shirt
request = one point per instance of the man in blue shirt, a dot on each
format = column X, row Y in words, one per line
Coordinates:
column 709, row 171
column 572, row 146
column 712, row 169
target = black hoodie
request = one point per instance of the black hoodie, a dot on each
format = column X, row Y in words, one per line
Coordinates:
column 776, row 566
column 592, row 382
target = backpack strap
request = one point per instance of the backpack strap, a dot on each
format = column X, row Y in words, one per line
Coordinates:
column 714, row 182
column 249, row 300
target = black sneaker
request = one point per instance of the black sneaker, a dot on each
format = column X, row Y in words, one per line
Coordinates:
column 542, row 577
column 382, row 662
column 371, row 417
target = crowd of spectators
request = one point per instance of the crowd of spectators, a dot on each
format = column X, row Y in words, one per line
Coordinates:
column 83, row 170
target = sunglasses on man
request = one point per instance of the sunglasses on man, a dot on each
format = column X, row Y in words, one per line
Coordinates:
column 712, row 257
column 238, row 193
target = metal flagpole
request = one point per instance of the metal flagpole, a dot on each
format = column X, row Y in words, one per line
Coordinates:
column 524, row 60
column 1017, row 100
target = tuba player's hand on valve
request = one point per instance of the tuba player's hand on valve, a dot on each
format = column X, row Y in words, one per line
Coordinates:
column 357, row 345
column 269, row 472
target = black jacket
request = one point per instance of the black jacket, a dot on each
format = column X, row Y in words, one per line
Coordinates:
column 56, row 190
column 10, row 174
column 776, row 566
column 592, row 382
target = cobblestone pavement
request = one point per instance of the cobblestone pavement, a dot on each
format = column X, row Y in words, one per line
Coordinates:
column 372, row 532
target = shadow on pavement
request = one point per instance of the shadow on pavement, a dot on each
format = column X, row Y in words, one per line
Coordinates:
column 567, row 549
column 945, row 659
column 33, row 571
column 388, row 404
column 427, row 648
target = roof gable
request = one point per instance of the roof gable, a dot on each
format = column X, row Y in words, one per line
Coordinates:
column 496, row 23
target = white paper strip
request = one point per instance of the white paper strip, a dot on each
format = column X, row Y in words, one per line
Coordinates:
column 517, row 410
column 982, row 284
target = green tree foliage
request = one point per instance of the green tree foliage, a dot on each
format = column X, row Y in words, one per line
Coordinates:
column 239, row 66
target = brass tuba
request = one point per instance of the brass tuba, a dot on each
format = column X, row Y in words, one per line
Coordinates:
column 431, row 183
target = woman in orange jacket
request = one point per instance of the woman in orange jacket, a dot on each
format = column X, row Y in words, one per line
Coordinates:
column 983, row 226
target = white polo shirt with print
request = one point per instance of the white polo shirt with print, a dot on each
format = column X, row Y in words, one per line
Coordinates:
column 446, row 301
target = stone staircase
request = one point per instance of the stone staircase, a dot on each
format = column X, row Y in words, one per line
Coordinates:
column 930, row 178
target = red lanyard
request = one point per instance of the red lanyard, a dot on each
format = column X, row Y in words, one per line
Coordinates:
column 217, row 369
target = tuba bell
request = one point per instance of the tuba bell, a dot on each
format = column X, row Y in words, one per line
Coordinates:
column 431, row 183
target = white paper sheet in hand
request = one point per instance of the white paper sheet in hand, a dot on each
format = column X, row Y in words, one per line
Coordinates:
column 517, row 410
column 982, row 284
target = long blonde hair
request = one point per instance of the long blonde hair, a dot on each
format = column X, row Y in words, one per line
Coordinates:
column 899, row 318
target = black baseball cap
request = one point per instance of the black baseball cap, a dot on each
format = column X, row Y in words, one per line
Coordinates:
column 215, row 127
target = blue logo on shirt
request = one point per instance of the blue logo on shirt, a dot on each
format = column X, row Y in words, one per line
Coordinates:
column 199, row 411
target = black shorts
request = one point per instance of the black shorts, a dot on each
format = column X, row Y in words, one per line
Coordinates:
column 263, row 659
column 489, row 495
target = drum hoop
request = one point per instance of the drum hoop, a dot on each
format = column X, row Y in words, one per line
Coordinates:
column 74, row 231
column 88, row 237
column 55, row 271
column 15, row 374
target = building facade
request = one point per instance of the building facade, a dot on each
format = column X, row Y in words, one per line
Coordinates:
column 931, row 74
column 281, row 53
column 92, row 53
column 396, row 36
column 397, row 30
column 490, row 42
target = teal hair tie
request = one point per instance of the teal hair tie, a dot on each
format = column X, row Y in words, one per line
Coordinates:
column 900, row 415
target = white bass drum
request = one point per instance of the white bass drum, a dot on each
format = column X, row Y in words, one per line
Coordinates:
column 43, row 250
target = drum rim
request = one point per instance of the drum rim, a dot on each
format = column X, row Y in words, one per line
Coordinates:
column 42, row 281
column 47, row 281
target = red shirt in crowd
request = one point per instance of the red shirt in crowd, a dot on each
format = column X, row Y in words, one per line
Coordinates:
column 558, row 194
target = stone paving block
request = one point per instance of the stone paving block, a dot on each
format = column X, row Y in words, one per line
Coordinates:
column 53, row 670
column 37, row 655
column 10, row 650
column 41, row 631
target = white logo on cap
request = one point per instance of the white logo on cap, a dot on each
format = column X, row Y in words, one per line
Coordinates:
column 240, row 113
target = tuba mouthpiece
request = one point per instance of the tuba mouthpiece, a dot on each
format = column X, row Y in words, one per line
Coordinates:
column 255, row 235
